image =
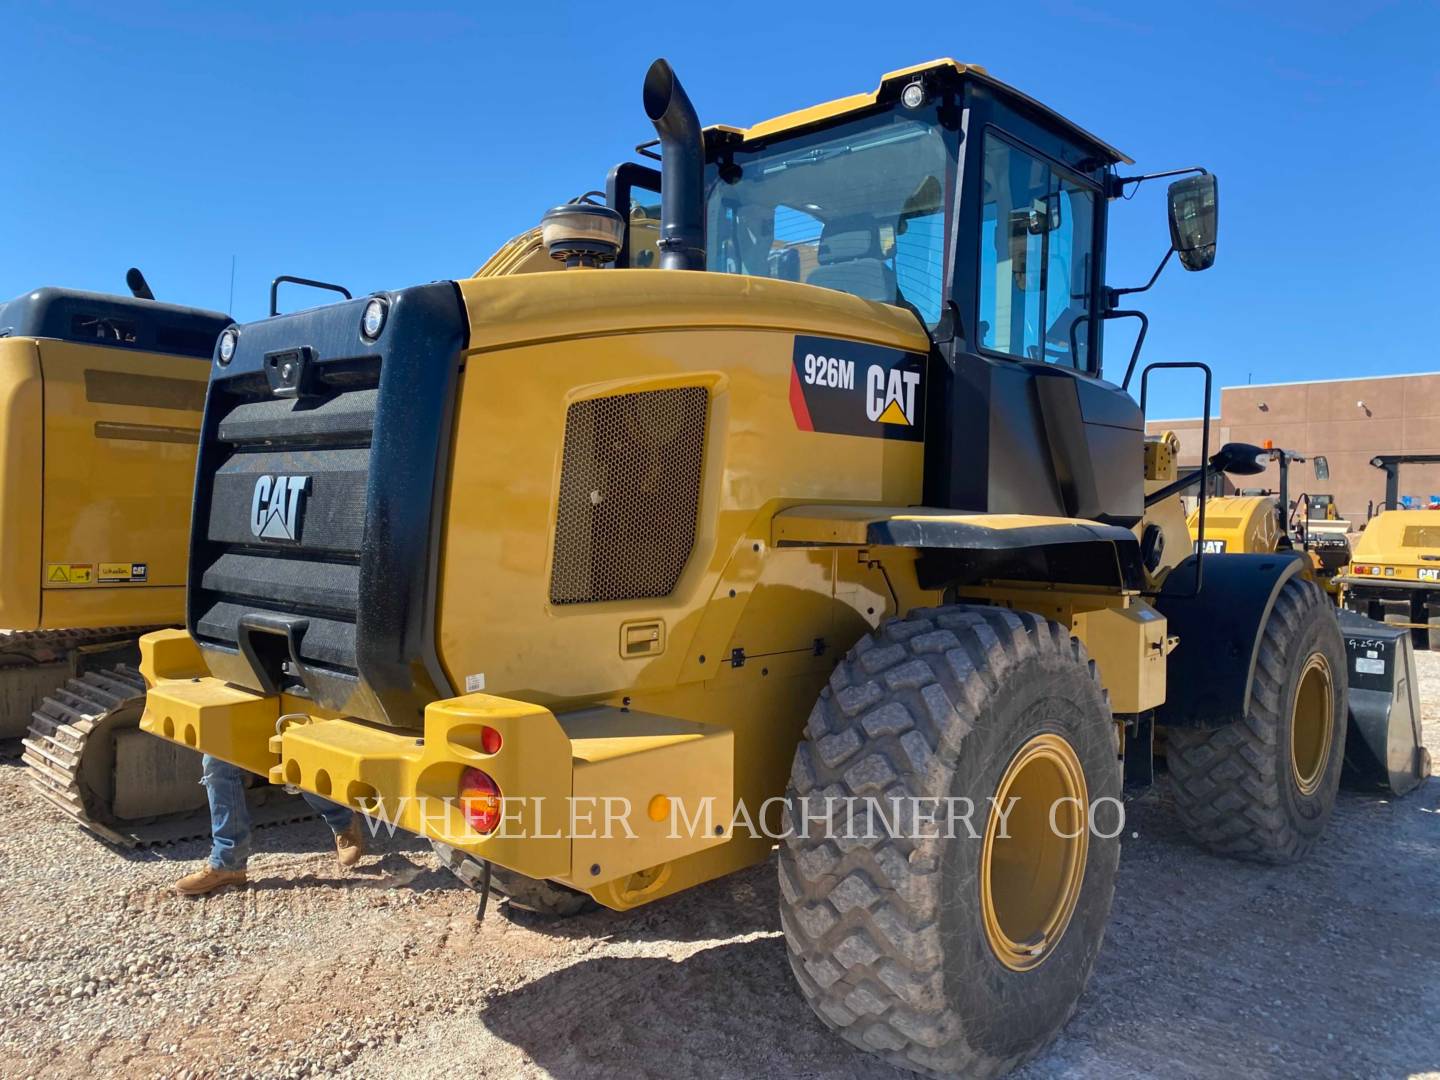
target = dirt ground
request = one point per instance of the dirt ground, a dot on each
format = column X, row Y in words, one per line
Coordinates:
column 1210, row 968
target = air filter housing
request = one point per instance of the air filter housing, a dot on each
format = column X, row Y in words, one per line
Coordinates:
column 582, row 234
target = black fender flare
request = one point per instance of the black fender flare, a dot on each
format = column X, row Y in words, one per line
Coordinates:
column 1210, row 674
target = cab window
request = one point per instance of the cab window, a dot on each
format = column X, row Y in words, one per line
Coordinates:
column 1036, row 249
column 859, row 208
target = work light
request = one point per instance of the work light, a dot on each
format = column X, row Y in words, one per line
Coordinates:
column 373, row 321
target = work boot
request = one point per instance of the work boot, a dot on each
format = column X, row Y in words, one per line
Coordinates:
column 203, row 882
column 350, row 844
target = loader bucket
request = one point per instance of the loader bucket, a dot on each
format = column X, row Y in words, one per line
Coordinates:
column 1383, row 747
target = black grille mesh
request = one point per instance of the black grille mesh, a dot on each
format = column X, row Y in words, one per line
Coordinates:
column 629, row 495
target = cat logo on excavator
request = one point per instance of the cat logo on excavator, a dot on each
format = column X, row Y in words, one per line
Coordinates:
column 275, row 507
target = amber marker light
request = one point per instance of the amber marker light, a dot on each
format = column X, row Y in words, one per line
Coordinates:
column 480, row 800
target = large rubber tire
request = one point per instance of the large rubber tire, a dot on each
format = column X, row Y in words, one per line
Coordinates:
column 1235, row 790
column 886, row 937
column 528, row 894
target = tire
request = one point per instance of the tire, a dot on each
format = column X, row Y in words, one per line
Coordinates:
column 1235, row 788
column 887, row 937
column 528, row 894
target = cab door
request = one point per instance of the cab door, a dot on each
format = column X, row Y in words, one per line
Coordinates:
column 1033, row 428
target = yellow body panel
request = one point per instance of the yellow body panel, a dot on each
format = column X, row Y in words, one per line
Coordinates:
column 1245, row 524
column 22, row 457
column 1162, row 467
column 698, row 694
column 1402, row 545
column 1129, row 646
column 99, row 462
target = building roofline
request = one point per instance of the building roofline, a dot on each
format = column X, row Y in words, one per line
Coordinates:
column 1347, row 378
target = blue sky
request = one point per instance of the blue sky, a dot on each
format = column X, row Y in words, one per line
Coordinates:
column 380, row 146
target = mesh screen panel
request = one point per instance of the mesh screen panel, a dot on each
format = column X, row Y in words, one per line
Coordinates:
column 629, row 495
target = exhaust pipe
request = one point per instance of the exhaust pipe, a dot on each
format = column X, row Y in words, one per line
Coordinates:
column 682, row 170
column 139, row 287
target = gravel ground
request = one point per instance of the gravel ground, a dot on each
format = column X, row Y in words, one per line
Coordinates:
column 1210, row 968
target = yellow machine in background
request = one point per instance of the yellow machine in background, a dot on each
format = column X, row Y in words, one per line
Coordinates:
column 1236, row 523
column 605, row 580
column 100, row 405
column 1397, row 558
column 1271, row 521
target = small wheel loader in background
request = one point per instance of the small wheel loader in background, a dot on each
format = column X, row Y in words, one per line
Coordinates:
column 1271, row 520
column 100, row 404
column 822, row 530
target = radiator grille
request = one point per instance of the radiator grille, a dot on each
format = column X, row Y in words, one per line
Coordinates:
column 629, row 495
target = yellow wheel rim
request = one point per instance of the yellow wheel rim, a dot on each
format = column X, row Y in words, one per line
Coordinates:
column 1312, row 724
column 1030, row 878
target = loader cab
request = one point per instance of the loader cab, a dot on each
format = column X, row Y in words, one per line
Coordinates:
column 983, row 213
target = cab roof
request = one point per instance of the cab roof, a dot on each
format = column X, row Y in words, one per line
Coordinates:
column 829, row 110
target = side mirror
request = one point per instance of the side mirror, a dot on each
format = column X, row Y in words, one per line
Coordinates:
column 1322, row 468
column 1194, row 220
column 1240, row 459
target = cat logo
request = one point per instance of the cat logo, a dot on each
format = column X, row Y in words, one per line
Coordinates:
column 275, row 507
column 854, row 388
column 890, row 395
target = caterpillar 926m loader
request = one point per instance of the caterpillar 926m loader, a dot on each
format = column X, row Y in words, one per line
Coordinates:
column 826, row 529
column 100, row 405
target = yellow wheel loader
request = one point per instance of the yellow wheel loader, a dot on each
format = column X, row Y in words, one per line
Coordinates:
column 100, row 405
column 1270, row 520
column 825, row 531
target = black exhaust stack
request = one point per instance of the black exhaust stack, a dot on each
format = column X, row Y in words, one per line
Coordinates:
column 139, row 287
column 682, row 170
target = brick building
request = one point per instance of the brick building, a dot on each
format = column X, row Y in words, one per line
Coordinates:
column 1349, row 421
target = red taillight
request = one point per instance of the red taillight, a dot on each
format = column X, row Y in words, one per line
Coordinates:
column 489, row 740
column 480, row 800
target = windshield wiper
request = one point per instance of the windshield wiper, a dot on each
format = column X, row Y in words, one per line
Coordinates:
column 809, row 157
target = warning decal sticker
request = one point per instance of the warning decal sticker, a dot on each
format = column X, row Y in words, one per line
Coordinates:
column 846, row 388
column 69, row 574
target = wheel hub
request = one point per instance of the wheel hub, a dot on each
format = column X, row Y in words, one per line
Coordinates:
column 1312, row 724
column 1030, row 877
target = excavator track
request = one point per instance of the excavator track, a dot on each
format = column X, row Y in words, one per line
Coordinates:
column 87, row 756
column 36, row 663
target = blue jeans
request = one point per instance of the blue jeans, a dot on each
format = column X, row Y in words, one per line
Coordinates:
column 230, row 813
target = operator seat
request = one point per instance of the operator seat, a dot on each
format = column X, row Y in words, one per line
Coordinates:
column 850, row 260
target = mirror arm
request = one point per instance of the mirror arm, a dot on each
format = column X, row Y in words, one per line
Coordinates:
column 1188, row 480
column 1112, row 294
column 1117, row 183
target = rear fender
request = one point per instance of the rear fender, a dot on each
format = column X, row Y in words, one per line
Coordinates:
column 1212, row 670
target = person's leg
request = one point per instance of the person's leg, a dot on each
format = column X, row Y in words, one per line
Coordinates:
column 229, row 830
column 229, row 814
column 345, row 824
column 338, row 817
